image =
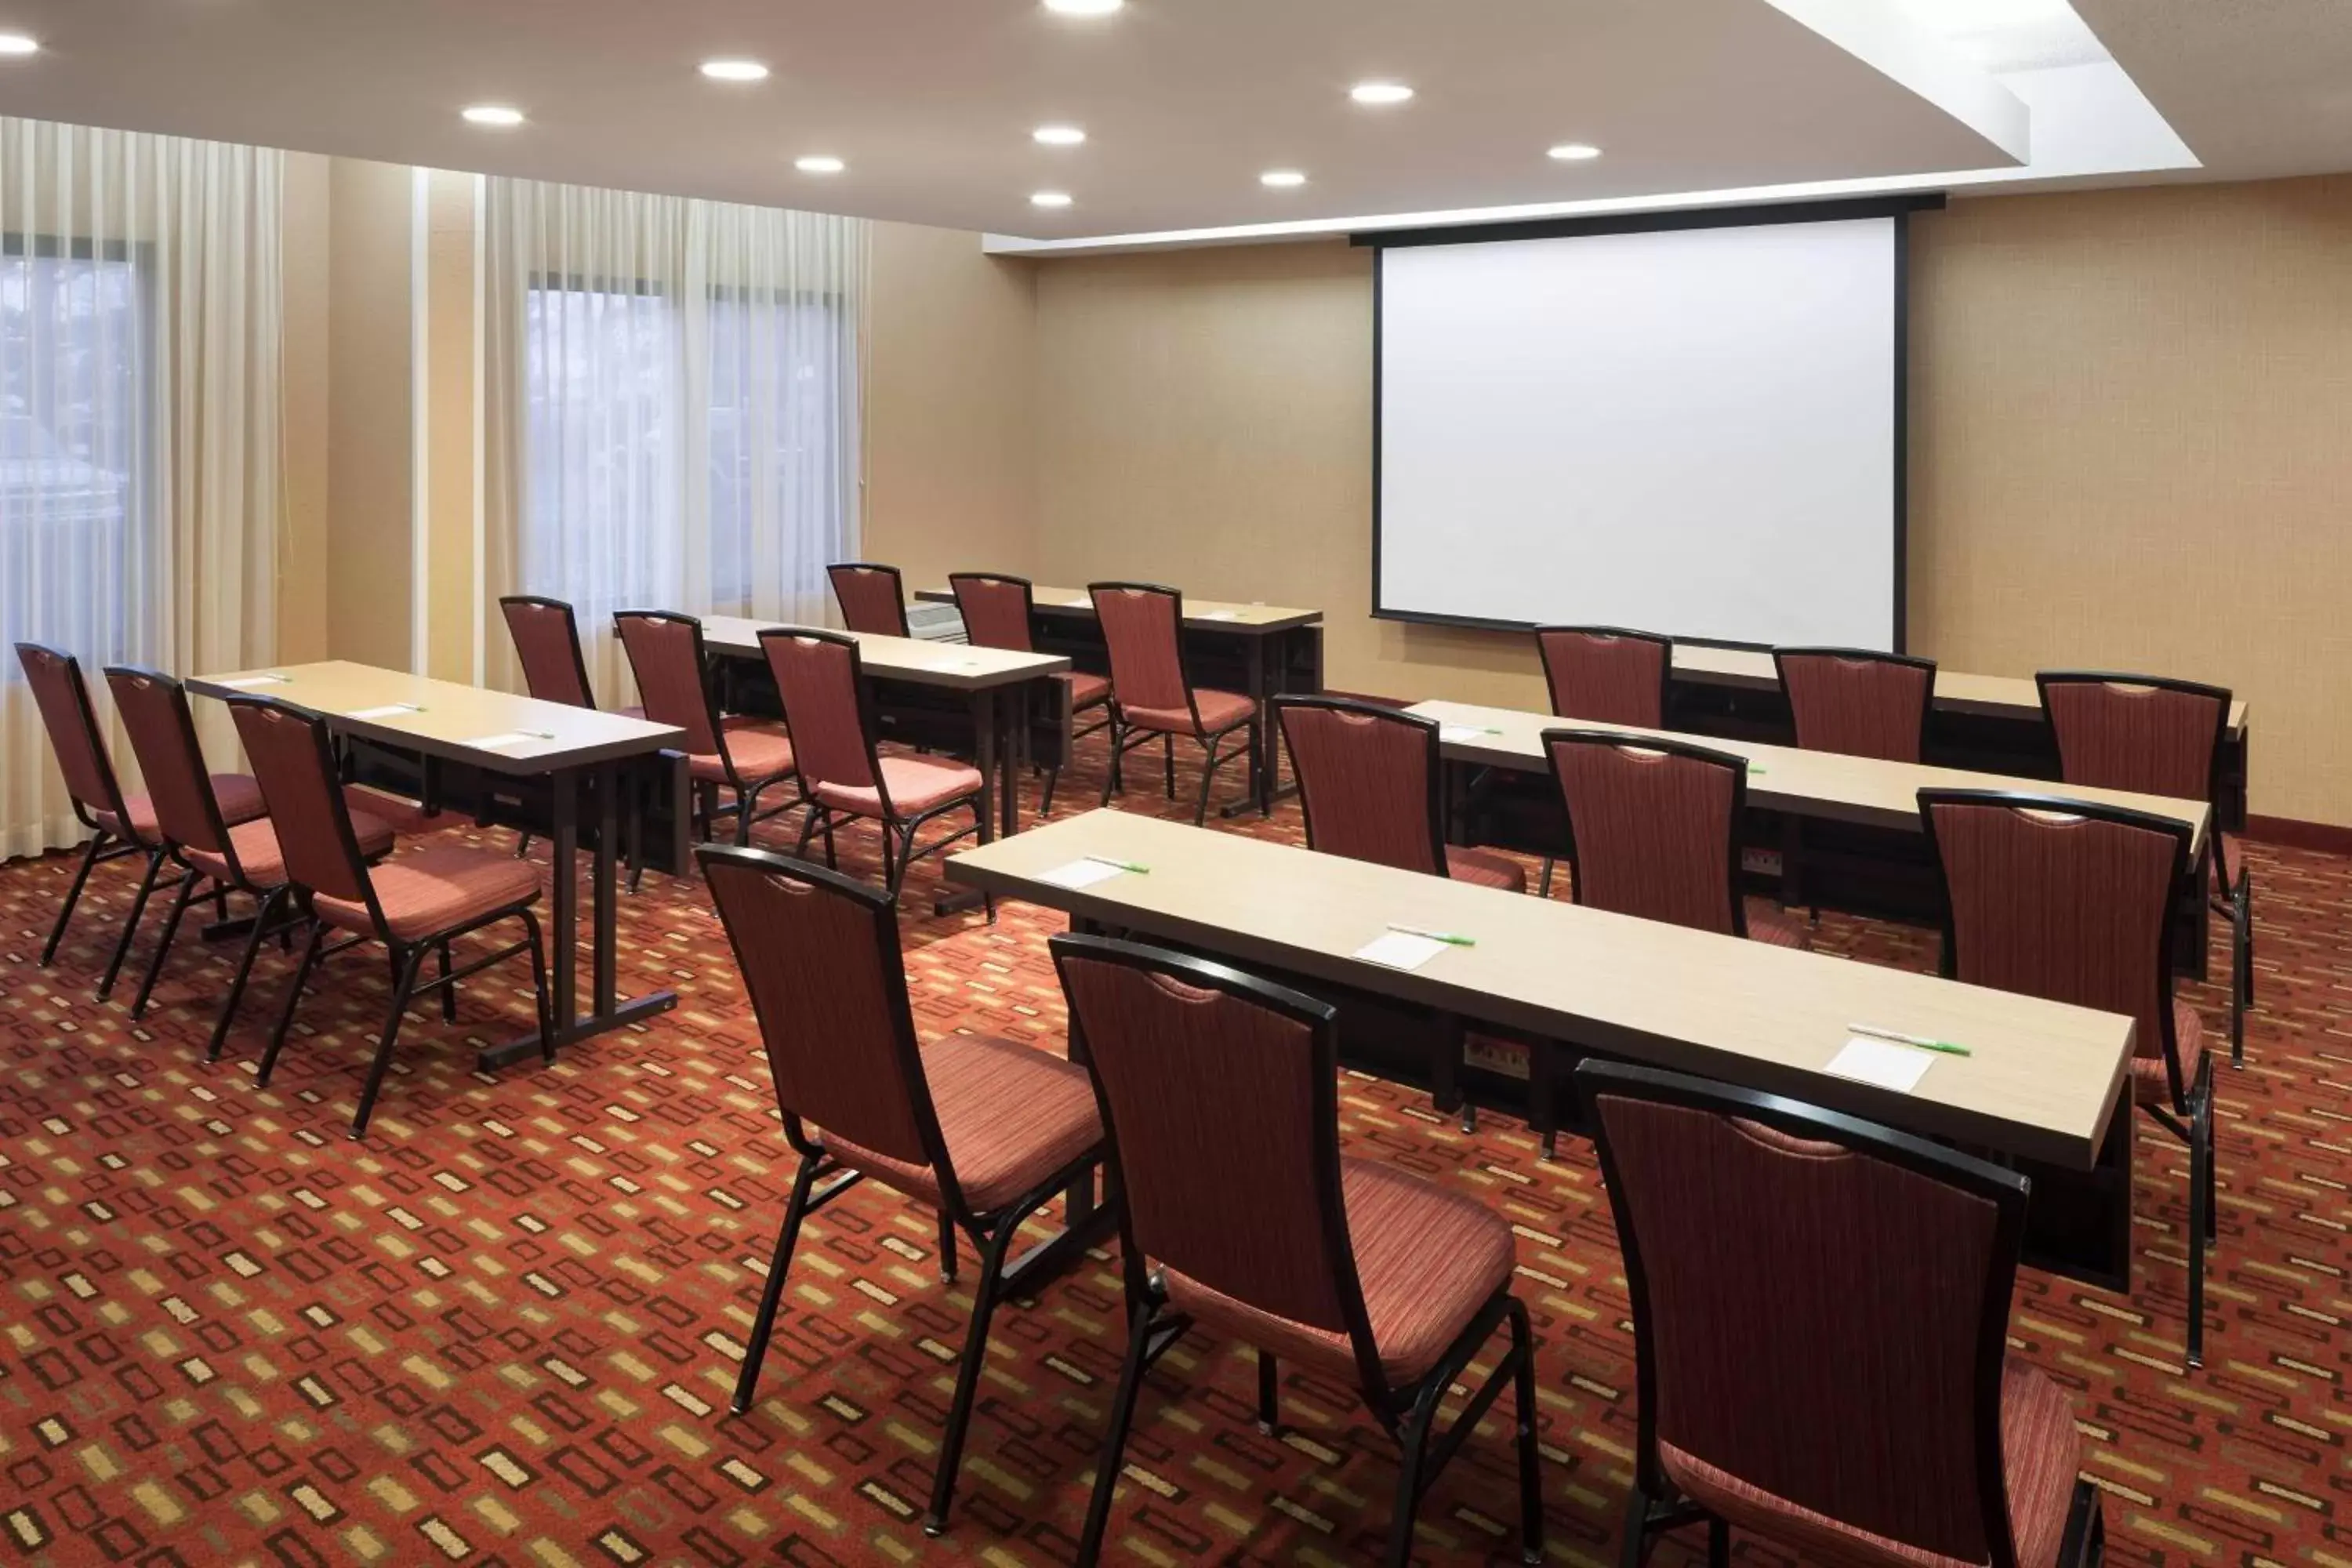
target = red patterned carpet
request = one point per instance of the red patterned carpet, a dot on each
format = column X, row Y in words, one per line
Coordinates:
column 503, row 1329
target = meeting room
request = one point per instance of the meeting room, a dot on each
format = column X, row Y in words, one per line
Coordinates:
column 1041, row 783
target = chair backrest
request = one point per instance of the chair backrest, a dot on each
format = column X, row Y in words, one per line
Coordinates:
column 870, row 598
column 664, row 653
column 1218, row 1097
column 1858, row 703
column 153, row 707
column 1143, row 633
column 821, row 679
column 1368, row 780
column 1821, row 1306
column 2064, row 901
column 995, row 609
column 2138, row 732
column 547, row 644
column 1653, row 827
column 294, row 762
column 819, row 953
column 63, row 697
column 1605, row 675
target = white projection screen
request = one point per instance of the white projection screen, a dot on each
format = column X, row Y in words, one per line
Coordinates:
column 1690, row 430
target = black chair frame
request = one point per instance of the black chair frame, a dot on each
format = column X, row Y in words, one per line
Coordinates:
column 1123, row 741
column 2189, row 1117
column 1407, row 1413
column 1655, row 1505
column 991, row 1232
column 1029, row 613
column 897, row 588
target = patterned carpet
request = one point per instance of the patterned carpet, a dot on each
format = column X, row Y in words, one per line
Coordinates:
column 503, row 1329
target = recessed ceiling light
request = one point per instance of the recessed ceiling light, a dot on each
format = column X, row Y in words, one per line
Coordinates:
column 1281, row 179
column 819, row 164
column 1058, row 135
column 494, row 114
column 734, row 70
column 1575, row 152
column 18, row 44
column 1380, row 92
column 1050, row 199
column 1084, row 8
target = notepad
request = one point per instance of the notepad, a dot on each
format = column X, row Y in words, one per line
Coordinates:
column 1881, row 1063
column 1461, row 734
column 1399, row 950
column 389, row 710
column 1085, row 603
column 247, row 682
column 1223, row 616
column 499, row 742
column 1082, row 874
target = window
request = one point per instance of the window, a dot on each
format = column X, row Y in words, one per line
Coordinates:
column 76, row 545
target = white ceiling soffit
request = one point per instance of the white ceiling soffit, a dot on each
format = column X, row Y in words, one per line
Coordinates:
column 930, row 104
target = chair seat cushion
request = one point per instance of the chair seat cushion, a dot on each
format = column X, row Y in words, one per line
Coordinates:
column 762, row 754
column 238, row 795
column 916, row 784
column 1086, row 691
column 1220, row 711
column 1770, row 924
column 1428, row 1260
column 1485, row 869
column 404, row 817
column 2041, row 1454
column 2151, row 1083
column 264, row 862
column 432, row 890
column 1012, row 1116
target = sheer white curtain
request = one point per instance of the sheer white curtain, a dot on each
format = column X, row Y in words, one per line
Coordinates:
column 672, row 393
column 140, row 458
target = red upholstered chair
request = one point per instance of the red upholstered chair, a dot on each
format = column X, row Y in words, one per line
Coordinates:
column 1821, row 1314
column 1220, row 1094
column 419, row 903
column 1142, row 627
column 996, row 614
column 2073, row 903
column 554, row 669
column 1368, row 779
column 245, row 859
column 1604, row 675
column 983, row 1131
column 820, row 676
column 872, row 599
column 119, row 824
column 2154, row 736
column 740, row 755
column 1858, row 703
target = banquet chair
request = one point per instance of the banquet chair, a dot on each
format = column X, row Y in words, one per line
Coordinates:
column 1151, row 696
column 996, row 614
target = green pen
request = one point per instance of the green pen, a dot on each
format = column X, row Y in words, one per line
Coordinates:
column 1450, row 938
column 1873, row 1031
column 1122, row 864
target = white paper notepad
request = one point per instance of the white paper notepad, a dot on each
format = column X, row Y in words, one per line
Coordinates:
column 1883, row 1063
column 1399, row 950
column 1086, row 603
column 1081, row 874
column 499, row 742
column 1223, row 616
column 1460, row 734
column 247, row 682
column 389, row 710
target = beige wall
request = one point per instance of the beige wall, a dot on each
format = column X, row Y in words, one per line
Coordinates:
column 370, row 412
column 2128, row 450
column 303, row 552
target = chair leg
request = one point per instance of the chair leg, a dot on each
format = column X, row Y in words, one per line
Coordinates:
column 946, row 1249
column 2242, row 972
column 746, row 807
column 1269, row 1394
column 163, row 947
column 1523, row 1345
column 808, row 831
column 1118, row 750
column 1209, row 764
column 541, row 1005
column 1719, row 1544
column 2201, row 1211
column 1414, row 1434
column 522, row 846
column 268, row 911
column 73, row 897
column 975, row 1355
column 1167, row 764
column 1114, row 1450
column 293, row 1000
column 747, row 1381
column 449, row 993
column 409, row 962
column 1543, row 888
column 1052, row 777
column 131, row 926
column 1635, row 1548
column 905, row 857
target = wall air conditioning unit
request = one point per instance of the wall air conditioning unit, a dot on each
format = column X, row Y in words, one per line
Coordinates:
column 936, row 623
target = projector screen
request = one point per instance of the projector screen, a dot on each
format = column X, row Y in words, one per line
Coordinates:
column 1695, row 431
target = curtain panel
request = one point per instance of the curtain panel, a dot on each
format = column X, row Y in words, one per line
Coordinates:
column 140, row 459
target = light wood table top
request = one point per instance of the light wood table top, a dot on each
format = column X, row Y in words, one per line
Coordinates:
column 1200, row 615
column 2042, row 1081
column 445, row 719
column 1783, row 778
column 1993, row 696
column 916, row 660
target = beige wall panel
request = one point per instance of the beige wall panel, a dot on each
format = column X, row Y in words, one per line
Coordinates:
column 450, row 329
column 370, row 413
column 302, row 551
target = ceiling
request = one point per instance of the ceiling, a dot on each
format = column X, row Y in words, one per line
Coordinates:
column 931, row 102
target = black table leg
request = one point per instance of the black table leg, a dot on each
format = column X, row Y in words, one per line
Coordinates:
column 605, row 888
column 984, row 747
column 1265, row 749
column 563, row 927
